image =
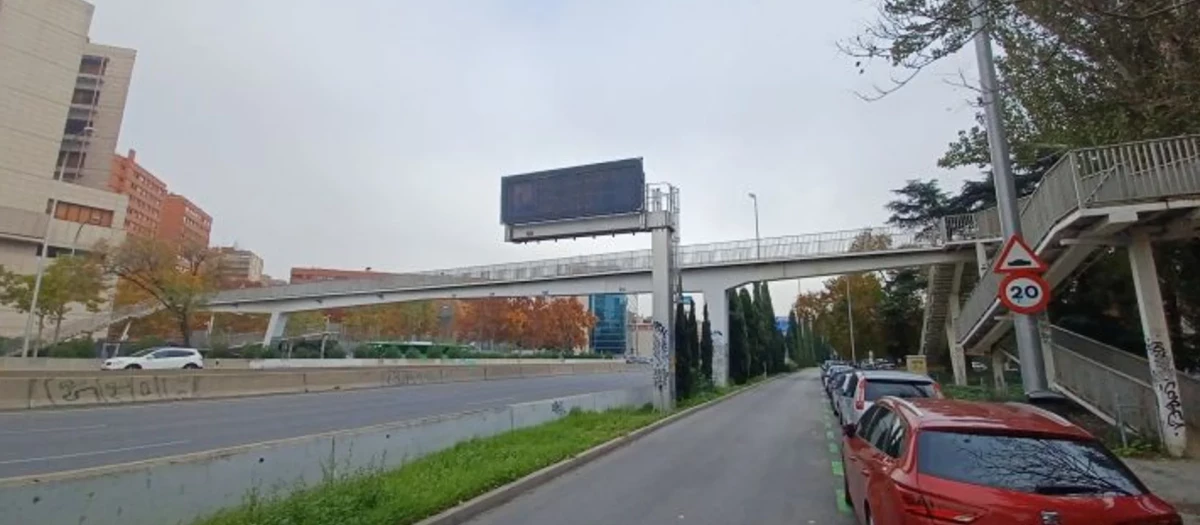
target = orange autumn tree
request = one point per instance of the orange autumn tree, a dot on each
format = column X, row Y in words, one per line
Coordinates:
column 179, row 278
column 560, row 323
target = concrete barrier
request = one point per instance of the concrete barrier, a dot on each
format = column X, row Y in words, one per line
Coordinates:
column 45, row 364
column 28, row 392
column 180, row 489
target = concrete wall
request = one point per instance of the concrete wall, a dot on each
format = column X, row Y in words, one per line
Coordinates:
column 8, row 364
column 25, row 391
column 181, row 489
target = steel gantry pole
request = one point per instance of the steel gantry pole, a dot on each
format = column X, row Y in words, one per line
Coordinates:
column 1029, row 344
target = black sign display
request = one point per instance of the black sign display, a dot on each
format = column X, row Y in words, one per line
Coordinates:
column 607, row 188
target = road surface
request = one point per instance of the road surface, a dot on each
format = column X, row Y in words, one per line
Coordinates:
column 39, row 442
column 765, row 457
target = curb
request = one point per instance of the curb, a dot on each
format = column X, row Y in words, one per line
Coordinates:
column 469, row 509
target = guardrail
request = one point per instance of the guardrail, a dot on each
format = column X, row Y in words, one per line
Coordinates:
column 1090, row 178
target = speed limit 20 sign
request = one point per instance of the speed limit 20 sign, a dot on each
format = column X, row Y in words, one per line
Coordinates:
column 1024, row 293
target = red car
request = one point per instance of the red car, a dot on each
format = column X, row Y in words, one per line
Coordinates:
column 938, row 461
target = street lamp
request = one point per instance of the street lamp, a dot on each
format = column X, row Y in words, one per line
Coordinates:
column 757, row 238
column 85, row 135
column 850, row 316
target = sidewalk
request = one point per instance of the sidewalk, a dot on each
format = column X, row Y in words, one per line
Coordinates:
column 1177, row 481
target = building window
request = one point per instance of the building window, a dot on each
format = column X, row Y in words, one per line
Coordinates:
column 93, row 65
column 85, row 96
column 79, row 213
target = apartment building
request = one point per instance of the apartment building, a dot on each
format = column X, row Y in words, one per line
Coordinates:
column 183, row 222
column 239, row 266
column 61, row 103
column 146, row 193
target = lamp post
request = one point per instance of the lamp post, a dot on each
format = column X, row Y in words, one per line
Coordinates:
column 757, row 237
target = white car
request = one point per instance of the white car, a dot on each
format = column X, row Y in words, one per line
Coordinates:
column 157, row 359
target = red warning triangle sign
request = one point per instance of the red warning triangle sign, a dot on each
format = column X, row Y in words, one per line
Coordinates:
column 1017, row 257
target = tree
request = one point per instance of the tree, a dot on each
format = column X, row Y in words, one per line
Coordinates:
column 180, row 278
column 750, row 313
column 901, row 312
column 683, row 362
column 706, row 347
column 794, row 346
column 739, row 353
column 68, row 282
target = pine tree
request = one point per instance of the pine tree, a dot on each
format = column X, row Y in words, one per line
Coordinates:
column 738, row 353
column 683, row 379
column 693, row 339
column 754, row 363
column 706, row 347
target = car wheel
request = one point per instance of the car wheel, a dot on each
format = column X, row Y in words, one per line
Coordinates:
column 134, row 367
column 191, row 366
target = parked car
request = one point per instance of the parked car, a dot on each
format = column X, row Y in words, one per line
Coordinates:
column 842, row 387
column 157, row 359
column 865, row 386
column 931, row 461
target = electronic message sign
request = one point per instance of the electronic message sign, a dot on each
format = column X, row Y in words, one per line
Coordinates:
column 579, row 192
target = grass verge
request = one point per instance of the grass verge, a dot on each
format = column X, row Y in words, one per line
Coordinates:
column 433, row 483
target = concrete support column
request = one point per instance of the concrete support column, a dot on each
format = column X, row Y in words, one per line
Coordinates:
column 981, row 259
column 275, row 327
column 1158, row 344
column 1046, row 334
column 718, row 318
column 999, row 361
column 958, row 357
column 663, row 354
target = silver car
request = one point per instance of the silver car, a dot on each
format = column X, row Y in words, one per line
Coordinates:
column 863, row 387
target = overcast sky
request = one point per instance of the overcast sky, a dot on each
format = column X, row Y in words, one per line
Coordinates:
column 355, row 133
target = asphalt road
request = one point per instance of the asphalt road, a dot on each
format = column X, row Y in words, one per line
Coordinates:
column 39, row 442
column 765, row 457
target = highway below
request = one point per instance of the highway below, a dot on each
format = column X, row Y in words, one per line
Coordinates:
column 40, row 442
column 768, row 457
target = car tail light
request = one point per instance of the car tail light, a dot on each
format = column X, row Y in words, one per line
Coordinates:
column 860, row 394
column 918, row 503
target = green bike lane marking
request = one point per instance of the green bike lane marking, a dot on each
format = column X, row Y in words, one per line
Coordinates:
column 835, row 462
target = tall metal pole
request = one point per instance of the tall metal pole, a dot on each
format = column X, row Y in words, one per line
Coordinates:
column 850, row 315
column 1029, row 345
column 757, row 237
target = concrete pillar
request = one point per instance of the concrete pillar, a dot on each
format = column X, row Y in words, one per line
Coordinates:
column 718, row 318
column 958, row 357
column 275, row 327
column 999, row 361
column 1046, row 334
column 981, row 259
column 663, row 354
column 1158, row 344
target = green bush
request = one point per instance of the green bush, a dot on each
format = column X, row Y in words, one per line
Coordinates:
column 80, row 348
column 334, row 352
column 454, row 352
column 413, row 353
column 393, row 352
column 435, row 352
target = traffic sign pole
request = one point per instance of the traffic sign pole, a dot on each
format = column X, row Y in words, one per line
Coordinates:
column 1029, row 345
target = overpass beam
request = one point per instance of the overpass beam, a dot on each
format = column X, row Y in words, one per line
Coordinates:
column 275, row 328
column 1158, row 343
column 718, row 317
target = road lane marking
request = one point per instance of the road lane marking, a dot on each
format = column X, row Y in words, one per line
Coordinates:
column 57, row 429
column 837, row 467
column 94, row 452
column 490, row 401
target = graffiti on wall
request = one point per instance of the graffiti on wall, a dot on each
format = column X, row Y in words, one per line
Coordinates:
column 661, row 358
column 1162, row 373
column 110, row 390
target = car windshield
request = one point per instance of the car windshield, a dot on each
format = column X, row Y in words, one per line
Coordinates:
column 877, row 389
column 1035, row 464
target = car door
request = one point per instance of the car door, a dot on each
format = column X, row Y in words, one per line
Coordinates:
column 888, row 443
column 165, row 359
column 855, row 448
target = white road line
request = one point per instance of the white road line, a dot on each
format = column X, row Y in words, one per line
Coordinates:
column 59, row 429
column 489, row 401
column 93, row 453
